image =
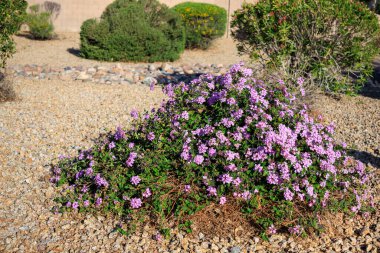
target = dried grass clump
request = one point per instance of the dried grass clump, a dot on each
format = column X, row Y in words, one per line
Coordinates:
column 7, row 92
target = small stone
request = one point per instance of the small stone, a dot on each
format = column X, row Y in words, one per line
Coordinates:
column 64, row 77
column 125, row 82
column 364, row 231
column 112, row 235
column 178, row 70
column 136, row 78
column 235, row 249
column 116, row 70
column 349, row 231
column 201, row 236
column 188, row 70
column 102, row 68
column 224, row 250
column 205, row 245
column 337, row 248
column 83, row 76
column 98, row 75
column 214, row 247
column 152, row 67
column 150, row 80
column 91, row 71
column 166, row 67
column 260, row 247
column 67, row 226
column 128, row 76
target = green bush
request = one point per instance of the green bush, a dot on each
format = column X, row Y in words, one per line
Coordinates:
column 131, row 30
column 12, row 14
column 330, row 42
column 40, row 24
column 203, row 23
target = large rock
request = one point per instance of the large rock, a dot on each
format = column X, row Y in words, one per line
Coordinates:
column 188, row 70
column 83, row 76
column 166, row 67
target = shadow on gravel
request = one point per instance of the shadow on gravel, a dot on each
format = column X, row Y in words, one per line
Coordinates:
column 166, row 78
column 366, row 157
column 372, row 87
column 74, row 51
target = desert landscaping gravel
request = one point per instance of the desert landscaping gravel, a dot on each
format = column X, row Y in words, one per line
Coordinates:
column 53, row 117
column 64, row 51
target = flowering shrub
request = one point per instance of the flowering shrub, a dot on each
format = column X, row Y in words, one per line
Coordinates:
column 331, row 42
column 228, row 138
column 203, row 23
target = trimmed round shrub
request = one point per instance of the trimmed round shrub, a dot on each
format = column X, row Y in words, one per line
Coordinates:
column 12, row 14
column 203, row 23
column 330, row 42
column 224, row 139
column 131, row 30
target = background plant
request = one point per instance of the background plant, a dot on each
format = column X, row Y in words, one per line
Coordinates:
column 226, row 139
column 131, row 30
column 332, row 42
column 12, row 14
column 203, row 23
column 53, row 8
column 40, row 23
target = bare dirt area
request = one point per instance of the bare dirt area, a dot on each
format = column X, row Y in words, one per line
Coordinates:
column 64, row 51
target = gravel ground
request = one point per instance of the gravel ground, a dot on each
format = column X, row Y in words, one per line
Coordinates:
column 64, row 50
column 53, row 117
column 56, row 117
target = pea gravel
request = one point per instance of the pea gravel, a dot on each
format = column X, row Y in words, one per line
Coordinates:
column 53, row 117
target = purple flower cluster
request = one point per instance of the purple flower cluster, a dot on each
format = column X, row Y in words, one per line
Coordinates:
column 136, row 203
column 296, row 230
column 120, row 134
column 187, row 188
column 100, row 181
column 134, row 114
column 135, row 180
column 283, row 153
column 272, row 230
column 150, row 136
column 147, row 193
column 131, row 159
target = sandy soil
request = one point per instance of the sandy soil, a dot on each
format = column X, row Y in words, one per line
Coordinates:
column 64, row 50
